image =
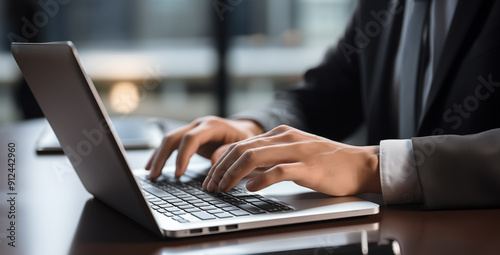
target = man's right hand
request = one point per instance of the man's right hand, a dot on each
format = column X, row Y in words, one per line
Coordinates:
column 204, row 136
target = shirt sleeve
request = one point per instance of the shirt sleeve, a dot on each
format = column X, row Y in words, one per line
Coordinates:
column 398, row 172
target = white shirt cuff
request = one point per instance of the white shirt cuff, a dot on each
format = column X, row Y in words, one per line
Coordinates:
column 398, row 172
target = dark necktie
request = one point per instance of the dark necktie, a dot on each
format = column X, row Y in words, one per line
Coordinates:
column 411, row 68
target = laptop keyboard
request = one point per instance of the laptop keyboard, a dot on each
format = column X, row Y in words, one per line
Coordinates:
column 188, row 202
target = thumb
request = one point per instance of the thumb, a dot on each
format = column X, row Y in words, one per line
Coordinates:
column 218, row 153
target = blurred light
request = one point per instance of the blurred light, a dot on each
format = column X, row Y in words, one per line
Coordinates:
column 364, row 242
column 396, row 248
column 124, row 97
column 291, row 38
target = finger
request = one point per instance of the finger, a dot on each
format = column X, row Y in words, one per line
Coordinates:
column 212, row 169
column 278, row 173
column 225, row 178
column 276, row 136
column 169, row 143
column 248, row 143
column 190, row 143
column 218, row 153
column 150, row 161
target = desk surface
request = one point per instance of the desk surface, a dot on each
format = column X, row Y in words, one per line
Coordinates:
column 55, row 215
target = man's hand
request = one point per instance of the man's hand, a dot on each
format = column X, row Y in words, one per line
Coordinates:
column 291, row 155
column 204, row 136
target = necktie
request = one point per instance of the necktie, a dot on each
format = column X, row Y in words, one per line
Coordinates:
column 409, row 72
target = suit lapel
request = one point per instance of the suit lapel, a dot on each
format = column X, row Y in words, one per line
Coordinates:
column 380, row 99
column 465, row 13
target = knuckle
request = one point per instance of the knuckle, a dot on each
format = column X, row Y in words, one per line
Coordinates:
column 205, row 119
column 249, row 155
column 199, row 120
column 168, row 135
column 231, row 175
column 167, row 139
column 265, row 179
column 188, row 138
column 232, row 147
column 217, row 176
column 280, row 171
column 282, row 128
column 240, row 148
column 291, row 134
column 212, row 119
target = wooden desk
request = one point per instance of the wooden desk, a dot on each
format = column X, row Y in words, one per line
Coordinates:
column 55, row 215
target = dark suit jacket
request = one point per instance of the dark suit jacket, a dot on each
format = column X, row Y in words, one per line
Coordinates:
column 353, row 85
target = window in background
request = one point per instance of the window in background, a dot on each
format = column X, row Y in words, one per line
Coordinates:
column 163, row 48
column 8, row 112
column 146, row 57
column 159, row 57
column 274, row 42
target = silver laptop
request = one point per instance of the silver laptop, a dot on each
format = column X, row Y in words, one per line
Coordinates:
column 169, row 207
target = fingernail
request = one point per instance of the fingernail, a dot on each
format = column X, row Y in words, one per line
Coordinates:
column 211, row 186
column 223, row 184
column 251, row 185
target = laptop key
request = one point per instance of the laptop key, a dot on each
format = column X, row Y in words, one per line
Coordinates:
column 168, row 197
column 201, row 204
column 215, row 211
column 180, row 203
column 207, row 208
column 266, row 206
column 239, row 212
column 223, row 215
column 162, row 204
column 230, row 208
column 173, row 210
column 184, row 207
column 194, row 209
column 192, row 199
column 155, row 200
column 251, row 200
column 190, row 218
column 178, row 212
column 155, row 191
column 179, row 219
column 250, row 208
column 203, row 215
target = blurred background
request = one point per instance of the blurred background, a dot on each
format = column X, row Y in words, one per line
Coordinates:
column 179, row 59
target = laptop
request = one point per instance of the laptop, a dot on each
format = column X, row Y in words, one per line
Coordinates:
column 168, row 207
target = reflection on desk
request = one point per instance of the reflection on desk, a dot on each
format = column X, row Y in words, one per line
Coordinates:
column 55, row 215
column 100, row 229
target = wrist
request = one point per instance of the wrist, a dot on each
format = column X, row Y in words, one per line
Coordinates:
column 371, row 171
